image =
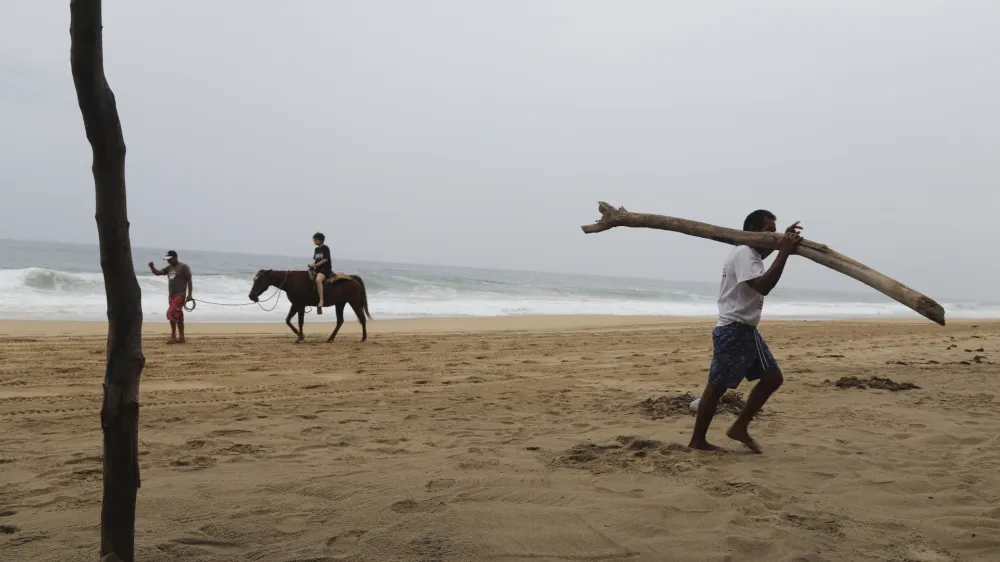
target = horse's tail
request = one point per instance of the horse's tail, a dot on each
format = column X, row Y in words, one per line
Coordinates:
column 364, row 296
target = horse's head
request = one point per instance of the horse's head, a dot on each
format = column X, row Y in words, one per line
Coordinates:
column 261, row 283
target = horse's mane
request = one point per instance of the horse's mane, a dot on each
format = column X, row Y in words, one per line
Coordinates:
column 277, row 275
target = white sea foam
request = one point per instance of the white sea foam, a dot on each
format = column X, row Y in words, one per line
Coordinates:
column 45, row 294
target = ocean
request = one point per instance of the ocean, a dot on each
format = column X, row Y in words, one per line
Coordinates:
column 49, row 281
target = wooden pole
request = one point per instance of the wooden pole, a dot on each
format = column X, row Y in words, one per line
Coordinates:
column 819, row 253
column 120, row 409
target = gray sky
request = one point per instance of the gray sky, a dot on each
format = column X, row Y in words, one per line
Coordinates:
column 483, row 133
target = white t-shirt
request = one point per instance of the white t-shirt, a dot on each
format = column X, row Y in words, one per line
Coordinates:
column 737, row 301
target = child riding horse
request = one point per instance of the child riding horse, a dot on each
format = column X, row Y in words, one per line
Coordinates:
column 301, row 292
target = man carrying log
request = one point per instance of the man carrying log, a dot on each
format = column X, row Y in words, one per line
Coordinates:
column 739, row 351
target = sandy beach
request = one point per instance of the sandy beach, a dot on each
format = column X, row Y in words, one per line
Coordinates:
column 542, row 439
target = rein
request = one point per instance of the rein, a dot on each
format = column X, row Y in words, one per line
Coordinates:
column 277, row 293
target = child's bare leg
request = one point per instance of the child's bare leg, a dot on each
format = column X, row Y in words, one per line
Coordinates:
column 320, row 278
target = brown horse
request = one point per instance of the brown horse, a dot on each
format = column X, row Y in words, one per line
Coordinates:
column 301, row 291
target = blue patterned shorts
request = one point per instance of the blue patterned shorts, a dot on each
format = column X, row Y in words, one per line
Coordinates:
column 740, row 353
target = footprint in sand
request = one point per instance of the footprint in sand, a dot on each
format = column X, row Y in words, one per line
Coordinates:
column 438, row 485
column 228, row 432
column 199, row 462
column 205, row 543
column 345, row 542
column 921, row 554
column 822, row 522
column 405, row 506
column 85, row 460
column 410, row 506
column 291, row 524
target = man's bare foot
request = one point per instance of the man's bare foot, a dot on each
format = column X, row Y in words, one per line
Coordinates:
column 704, row 446
column 180, row 340
column 171, row 341
column 743, row 436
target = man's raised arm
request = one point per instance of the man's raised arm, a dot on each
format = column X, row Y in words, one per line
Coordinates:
column 765, row 283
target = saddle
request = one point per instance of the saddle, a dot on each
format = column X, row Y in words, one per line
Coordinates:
column 333, row 279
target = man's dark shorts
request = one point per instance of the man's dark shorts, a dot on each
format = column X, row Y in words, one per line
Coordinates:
column 740, row 353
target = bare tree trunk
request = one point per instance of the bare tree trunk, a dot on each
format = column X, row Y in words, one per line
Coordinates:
column 923, row 305
column 120, row 410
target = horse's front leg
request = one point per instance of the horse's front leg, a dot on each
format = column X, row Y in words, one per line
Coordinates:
column 288, row 321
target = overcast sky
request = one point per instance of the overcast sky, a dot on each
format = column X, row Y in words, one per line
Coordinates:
column 483, row 133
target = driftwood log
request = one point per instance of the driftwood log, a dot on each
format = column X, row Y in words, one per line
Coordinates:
column 120, row 409
column 612, row 217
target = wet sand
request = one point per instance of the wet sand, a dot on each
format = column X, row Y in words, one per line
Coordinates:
column 507, row 439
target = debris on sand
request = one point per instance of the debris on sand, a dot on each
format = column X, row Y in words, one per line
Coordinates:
column 882, row 383
column 627, row 453
column 732, row 402
column 679, row 405
column 666, row 406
